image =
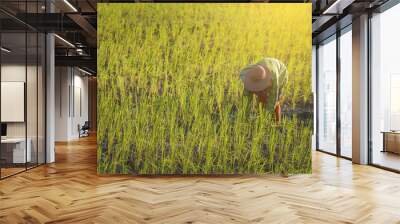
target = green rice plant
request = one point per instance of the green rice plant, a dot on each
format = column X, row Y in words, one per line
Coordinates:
column 170, row 98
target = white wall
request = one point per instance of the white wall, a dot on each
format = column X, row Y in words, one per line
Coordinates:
column 70, row 83
column 13, row 72
column 16, row 73
column 80, row 84
column 62, row 82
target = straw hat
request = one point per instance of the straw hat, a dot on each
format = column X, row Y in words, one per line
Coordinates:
column 257, row 78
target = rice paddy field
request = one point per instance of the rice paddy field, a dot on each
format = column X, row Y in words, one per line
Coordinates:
column 170, row 100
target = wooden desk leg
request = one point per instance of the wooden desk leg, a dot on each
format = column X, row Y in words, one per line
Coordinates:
column 384, row 142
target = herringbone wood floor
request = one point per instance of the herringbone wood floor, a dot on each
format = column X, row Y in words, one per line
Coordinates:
column 70, row 191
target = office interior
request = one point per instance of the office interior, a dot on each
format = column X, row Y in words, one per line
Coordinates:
column 335, row 69
column 48, row 80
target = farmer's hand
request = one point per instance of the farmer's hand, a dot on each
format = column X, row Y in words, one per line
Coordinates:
column 277, row 110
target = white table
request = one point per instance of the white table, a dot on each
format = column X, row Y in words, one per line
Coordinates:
column 19, row 154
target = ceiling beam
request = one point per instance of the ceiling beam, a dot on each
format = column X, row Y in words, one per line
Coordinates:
column 320, row 22
column 86, row 27
column 81, row 61
column 49, row 22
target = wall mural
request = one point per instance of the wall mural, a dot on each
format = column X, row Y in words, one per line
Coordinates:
column 204, row 88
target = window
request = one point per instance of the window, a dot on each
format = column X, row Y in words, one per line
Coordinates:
column 385, row 89
column 346, row 93
column 327, row 96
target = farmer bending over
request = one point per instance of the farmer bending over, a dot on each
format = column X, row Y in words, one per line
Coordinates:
column 266, row 80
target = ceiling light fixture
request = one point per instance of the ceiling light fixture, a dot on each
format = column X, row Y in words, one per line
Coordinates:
column 70, row 5
column 5, row 50
column 65, row 41
column 80, row 51
column 84, row 71
column 337, row 7
column 331, row 7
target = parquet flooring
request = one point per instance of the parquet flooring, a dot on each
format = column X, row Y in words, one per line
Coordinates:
column 10, row 171
column 70, row 191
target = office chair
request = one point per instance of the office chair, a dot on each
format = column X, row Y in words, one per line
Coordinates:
column 84, row 130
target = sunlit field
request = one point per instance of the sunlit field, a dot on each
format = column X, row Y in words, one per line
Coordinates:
column 171, row 100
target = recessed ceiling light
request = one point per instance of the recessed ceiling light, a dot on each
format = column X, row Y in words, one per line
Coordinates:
column 64, row 40
column 5, row 50
column 84, row 71
column 337, row 7
column 70, row 5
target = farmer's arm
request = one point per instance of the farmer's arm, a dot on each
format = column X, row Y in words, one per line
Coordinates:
column 283, row 80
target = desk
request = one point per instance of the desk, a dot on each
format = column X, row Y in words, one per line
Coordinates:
column 13, row 150
column 391, row 141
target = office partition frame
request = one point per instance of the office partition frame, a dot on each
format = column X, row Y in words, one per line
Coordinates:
column 30, row 30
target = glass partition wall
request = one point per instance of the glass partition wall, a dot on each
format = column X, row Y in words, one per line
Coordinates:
column 22, row 78
column 13, row 89
column 334, row 94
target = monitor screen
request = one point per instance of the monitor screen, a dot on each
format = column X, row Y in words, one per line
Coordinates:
column 3, row 129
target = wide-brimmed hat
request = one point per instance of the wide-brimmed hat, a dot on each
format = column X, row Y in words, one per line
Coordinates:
column 257, row 78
